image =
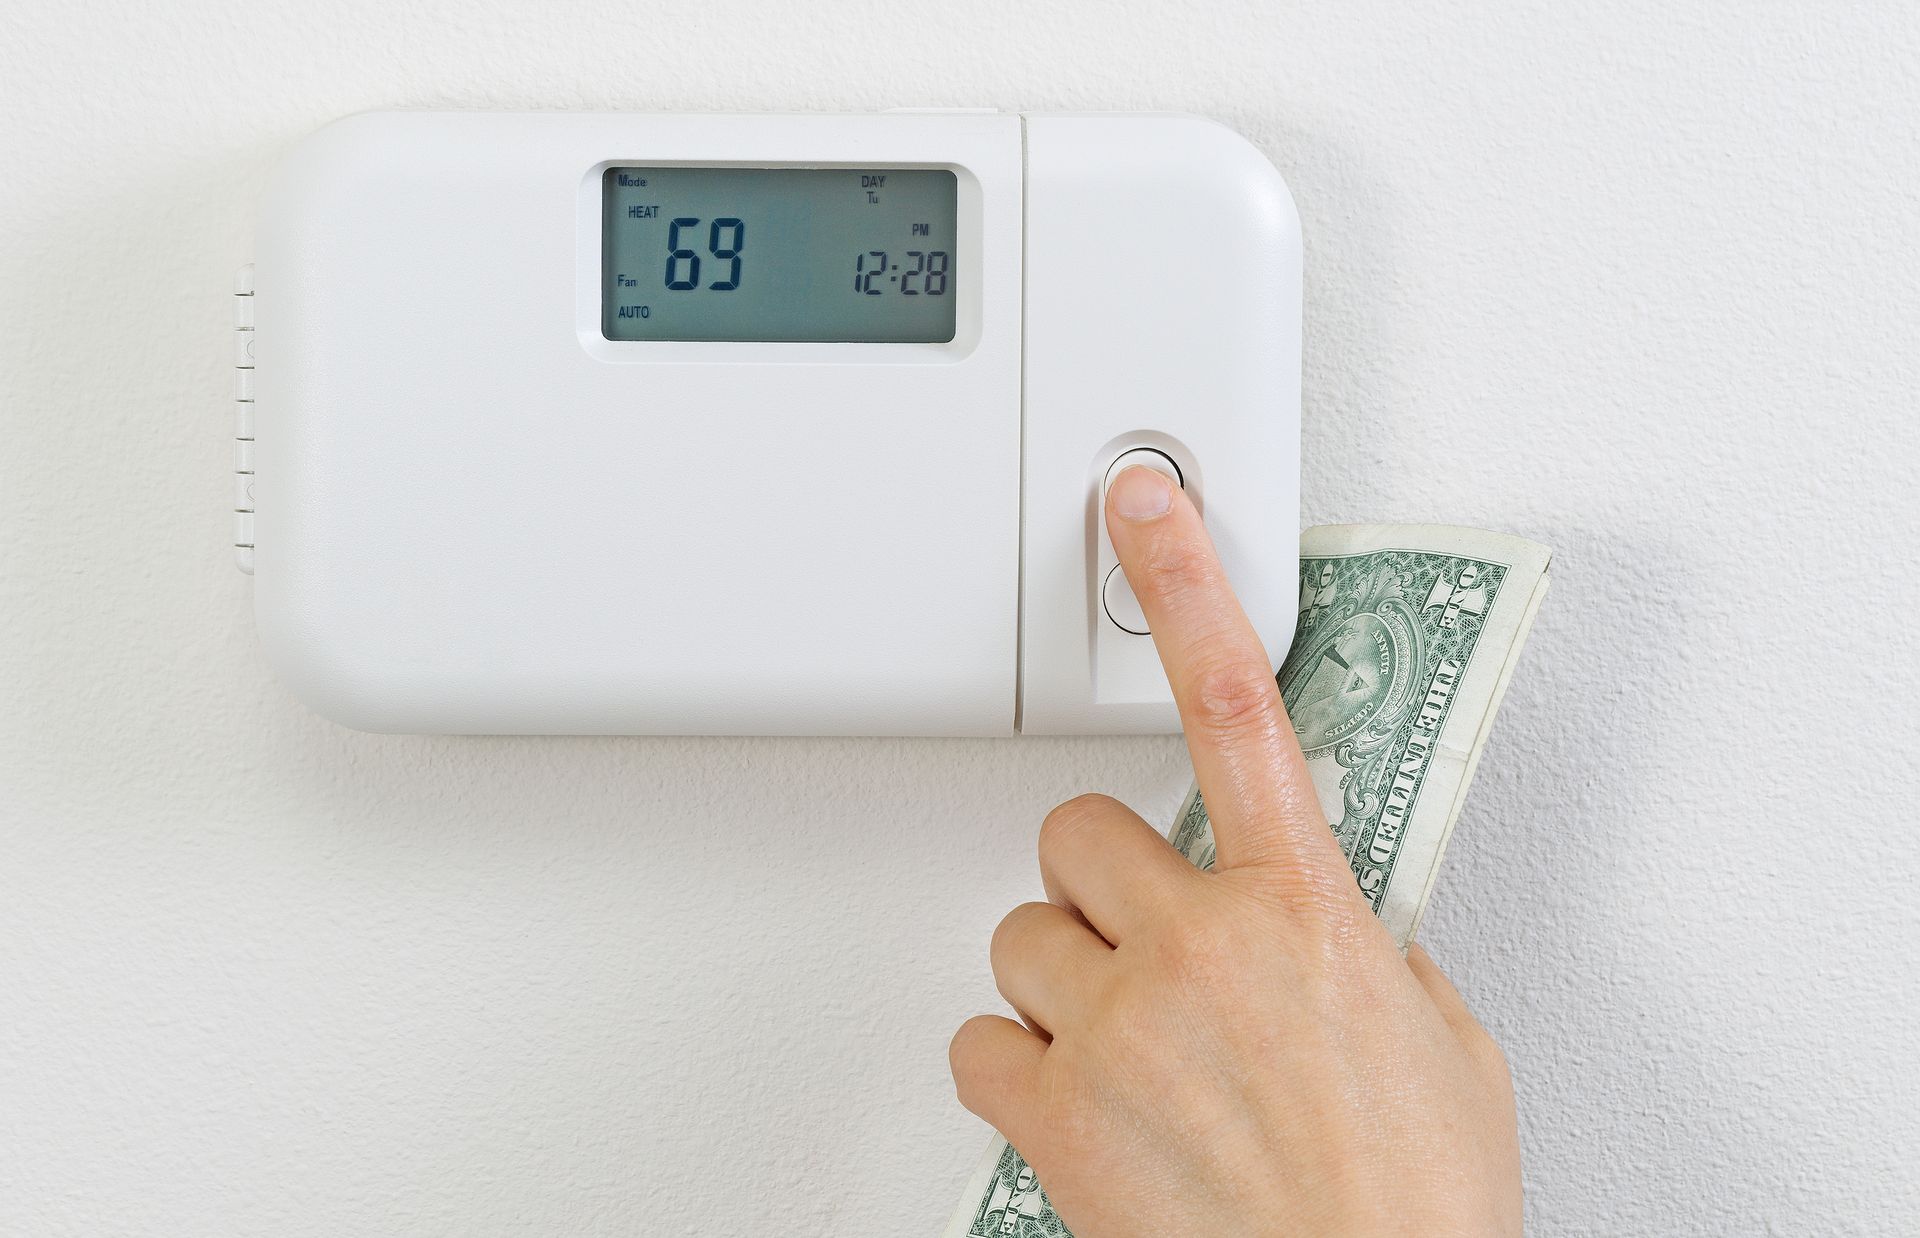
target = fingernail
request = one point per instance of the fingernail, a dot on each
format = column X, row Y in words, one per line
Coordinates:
column 1141, row 494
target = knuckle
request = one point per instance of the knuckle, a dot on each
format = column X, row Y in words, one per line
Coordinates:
column 962, row 1049
column 1328, row 903
column 1173, row 566
column 1318, row 900
column 1068, row 1113
column 1493, row 1059
column 1014, row 928
column 1332, row 925
column 964, row 1061
column 1071, row 820
column 1197, row 954
column 1231, row 698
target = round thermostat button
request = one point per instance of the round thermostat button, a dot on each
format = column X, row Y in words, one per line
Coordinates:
column 1144, row 457
column 1122, row 607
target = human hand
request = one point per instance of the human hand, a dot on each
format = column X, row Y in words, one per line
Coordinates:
column 1241, row 1051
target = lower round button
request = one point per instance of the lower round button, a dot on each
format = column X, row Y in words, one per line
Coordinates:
column 1122, row 607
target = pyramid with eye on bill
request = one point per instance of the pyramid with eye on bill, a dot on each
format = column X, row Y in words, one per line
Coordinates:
column 1343, row 686
column 1336, row 683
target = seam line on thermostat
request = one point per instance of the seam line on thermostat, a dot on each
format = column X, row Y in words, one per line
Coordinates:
column 1020, row 474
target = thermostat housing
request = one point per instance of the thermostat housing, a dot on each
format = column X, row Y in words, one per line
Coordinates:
column 787, row 424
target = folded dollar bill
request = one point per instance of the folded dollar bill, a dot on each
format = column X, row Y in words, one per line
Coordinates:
column 1406, row 639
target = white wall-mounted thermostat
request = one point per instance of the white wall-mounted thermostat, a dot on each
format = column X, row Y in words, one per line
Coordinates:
column 564, row 423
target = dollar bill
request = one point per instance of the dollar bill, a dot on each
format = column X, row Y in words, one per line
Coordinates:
column 1406, row 639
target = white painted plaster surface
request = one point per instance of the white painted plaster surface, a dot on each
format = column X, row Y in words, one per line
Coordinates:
column 1636, row 279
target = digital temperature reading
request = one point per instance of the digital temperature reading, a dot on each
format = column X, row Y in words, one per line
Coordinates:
column 780, row 254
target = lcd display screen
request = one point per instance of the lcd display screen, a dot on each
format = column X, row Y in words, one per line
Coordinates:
column 780, row 254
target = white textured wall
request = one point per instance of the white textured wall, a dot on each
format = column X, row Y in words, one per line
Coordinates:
column 1635, row 281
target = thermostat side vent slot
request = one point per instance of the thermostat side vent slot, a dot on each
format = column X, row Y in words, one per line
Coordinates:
column 243, row 475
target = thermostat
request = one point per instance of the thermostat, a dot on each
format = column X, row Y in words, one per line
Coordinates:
column 635, row 424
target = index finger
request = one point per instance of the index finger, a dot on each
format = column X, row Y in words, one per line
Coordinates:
column 1245, row 755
